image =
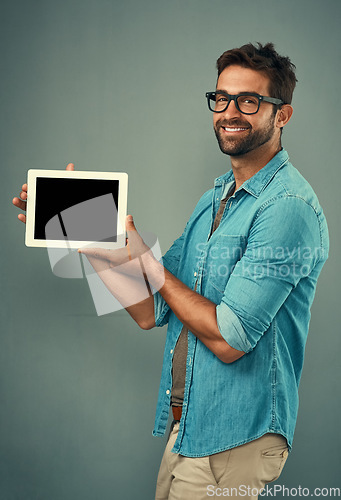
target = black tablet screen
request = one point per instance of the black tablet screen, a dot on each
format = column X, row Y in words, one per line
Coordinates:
column 76, row 209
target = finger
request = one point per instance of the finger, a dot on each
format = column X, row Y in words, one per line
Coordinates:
column 24, row 187
column 70, row 166
column 105, row 254
column 130, row 226
column 136, row 245
column 23, row 195
column 99, row 253
column 22, row 218
column 19, row 203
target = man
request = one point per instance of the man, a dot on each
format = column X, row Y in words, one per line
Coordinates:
column 236, row 290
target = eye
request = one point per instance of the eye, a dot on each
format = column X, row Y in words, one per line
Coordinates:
column 248, row 100
column 220, row 98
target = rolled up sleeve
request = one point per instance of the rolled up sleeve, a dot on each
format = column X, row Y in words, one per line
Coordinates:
column 282, row 248
column 231, row 328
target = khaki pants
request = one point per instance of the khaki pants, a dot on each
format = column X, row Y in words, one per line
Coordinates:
column 237, row 473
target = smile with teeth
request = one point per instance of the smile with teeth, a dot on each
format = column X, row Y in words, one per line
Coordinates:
column 234, row 129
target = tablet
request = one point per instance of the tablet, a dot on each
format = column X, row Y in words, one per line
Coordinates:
column 72, row 209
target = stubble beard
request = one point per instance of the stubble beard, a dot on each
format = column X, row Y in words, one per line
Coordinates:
column 239, row 146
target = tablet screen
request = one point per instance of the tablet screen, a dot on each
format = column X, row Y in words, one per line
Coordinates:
column 54, row 196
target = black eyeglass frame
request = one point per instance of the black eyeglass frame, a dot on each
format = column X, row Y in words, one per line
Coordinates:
column 234, row 97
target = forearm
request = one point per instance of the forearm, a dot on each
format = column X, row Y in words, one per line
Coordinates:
column 132, row 292
column 196, row 312
column 143, row 313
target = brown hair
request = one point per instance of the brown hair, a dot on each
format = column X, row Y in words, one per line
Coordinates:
column 280, row 70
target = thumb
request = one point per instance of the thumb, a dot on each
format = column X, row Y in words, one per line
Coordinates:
column 130, row 226
column 70, row 166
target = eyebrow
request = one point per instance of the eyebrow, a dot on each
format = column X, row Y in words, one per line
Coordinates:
column 242, row 92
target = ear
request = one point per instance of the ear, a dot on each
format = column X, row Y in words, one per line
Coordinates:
column 283, row 115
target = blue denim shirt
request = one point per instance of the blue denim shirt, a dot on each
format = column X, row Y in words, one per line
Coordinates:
column 260, row 268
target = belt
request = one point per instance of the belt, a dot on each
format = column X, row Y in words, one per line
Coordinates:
column 177, row 411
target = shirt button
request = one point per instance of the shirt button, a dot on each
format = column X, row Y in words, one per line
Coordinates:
column 168, row 391
column 195, row 273
column 171, row 351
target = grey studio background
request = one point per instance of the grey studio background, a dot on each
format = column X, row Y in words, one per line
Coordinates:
column 120, row 86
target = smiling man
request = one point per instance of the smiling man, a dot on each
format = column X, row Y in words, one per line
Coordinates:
column 237, row 295
column 236, row 290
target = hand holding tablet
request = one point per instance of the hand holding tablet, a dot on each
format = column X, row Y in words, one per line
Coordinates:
column 68, row 210
column 21, row 202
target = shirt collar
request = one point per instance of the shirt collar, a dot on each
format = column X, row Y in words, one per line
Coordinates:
column 261, row 179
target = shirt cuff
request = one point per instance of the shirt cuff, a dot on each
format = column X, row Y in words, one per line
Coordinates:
column 231, row 328
column 160, row 310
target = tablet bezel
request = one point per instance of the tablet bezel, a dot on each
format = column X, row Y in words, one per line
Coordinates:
column 32, row 176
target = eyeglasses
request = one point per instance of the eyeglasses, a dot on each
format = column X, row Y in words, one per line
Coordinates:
column 246, row 102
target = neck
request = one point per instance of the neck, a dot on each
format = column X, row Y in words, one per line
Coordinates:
column 248, row 165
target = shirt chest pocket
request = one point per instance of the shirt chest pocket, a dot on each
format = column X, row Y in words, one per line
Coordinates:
column 223, row 253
